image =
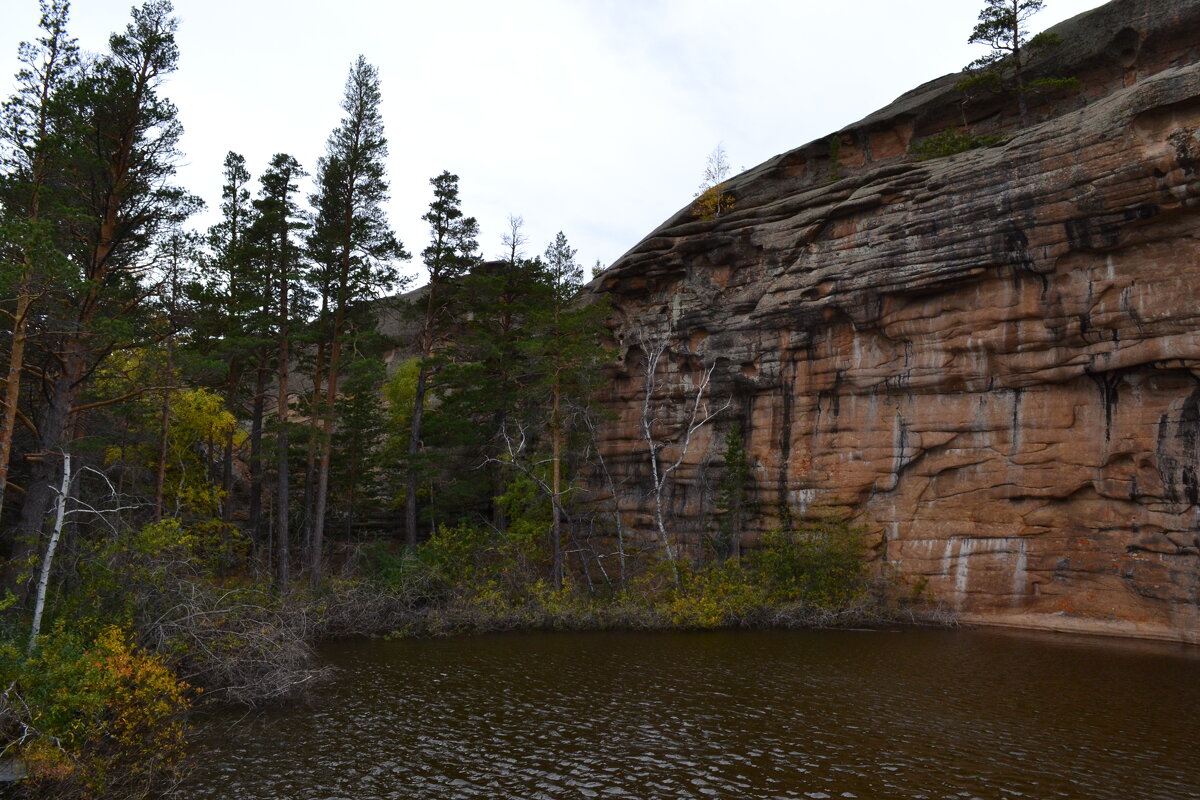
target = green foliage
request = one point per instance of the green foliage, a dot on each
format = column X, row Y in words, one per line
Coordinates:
column 952, row 141
column 797, row 574
column 525, row 505
column 714, row 596
column 198, row 425
column 835, row 157
column 1053, row 84
column 398, row 392
column 1003, row 27
column 820, row 563
column 733, row 498
column 355, row 481
column 474, row 577
column 92, row 715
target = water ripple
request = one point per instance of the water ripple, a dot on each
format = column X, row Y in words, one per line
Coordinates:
column 918, row 714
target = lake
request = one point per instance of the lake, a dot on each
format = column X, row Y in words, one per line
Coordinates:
column 909, row 713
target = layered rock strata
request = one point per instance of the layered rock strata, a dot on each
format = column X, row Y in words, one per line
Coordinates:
column 992, row 359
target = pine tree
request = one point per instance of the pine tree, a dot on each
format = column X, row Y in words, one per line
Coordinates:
column 223, row 344
column 1003, row 27
column 275, row 236
column 488, row 374
column 119, row 156
column 733, row 495
column 450, row 255
column 354, row 480
column 32, row 153
column 566, row 339
column 354, row 249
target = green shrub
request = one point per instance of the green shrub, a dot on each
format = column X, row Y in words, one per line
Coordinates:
column 92, row 716
column 820, row 563
column 951, row 141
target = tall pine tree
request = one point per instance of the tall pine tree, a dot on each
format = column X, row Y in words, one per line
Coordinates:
column 354, row 250
column 563, row 346
column 117, row 164
column 450, row 255
column 276, row 242
column 31, row 144
column 230, row 293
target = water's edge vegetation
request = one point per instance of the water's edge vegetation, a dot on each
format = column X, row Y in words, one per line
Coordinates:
column 102, row 707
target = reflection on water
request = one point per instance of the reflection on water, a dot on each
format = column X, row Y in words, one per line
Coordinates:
column 832, row 714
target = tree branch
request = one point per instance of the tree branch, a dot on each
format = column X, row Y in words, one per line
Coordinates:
column 124, row 397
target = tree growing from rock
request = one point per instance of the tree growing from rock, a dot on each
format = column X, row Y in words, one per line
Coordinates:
column 711, row 200
column 1003, row 26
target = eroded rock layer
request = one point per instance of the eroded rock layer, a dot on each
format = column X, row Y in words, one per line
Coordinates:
column 992, row 358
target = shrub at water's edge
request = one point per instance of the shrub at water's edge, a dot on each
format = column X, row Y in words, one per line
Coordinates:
column 472, row 579
column 92, row 715
column 98, row 707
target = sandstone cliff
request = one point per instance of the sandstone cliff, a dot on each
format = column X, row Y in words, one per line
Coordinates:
column 993, row 358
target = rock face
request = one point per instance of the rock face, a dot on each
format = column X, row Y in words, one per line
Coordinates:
column 992, row 359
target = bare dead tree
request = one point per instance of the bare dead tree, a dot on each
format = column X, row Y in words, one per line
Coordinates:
column 516, row 456
column 612, row 491
column 697, row 413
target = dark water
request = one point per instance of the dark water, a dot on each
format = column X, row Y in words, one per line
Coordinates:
column 909, row 714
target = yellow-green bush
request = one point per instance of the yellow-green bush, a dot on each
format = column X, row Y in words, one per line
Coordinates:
column 93, row 716
column 714, row 596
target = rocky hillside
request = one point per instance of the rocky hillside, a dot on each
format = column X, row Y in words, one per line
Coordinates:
column 991, row 358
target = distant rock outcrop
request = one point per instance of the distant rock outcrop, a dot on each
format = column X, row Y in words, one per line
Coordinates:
column 993, row 358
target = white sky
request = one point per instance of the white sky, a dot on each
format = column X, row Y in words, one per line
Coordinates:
column 593, row 117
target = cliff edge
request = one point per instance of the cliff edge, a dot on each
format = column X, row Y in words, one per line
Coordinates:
column 992, row 358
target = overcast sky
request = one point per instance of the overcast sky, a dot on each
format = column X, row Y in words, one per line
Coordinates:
column 593, row 117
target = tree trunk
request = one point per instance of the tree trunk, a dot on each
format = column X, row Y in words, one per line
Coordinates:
column 40, row 491
column 281, row 512
column 12, row 384
column 227, row 479
column 256, row 465
column 314, row 438
column 326, row 445
column 48, row 561
column 556, row 435
column 164, row 426
column 160, row 473
column 1022, row 103
column 414, row 447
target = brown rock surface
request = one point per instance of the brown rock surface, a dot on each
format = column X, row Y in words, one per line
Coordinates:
column 993, row 357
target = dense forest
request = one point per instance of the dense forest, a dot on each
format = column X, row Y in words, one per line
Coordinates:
column 216, row 446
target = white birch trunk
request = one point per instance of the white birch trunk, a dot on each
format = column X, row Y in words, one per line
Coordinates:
column 39, row 604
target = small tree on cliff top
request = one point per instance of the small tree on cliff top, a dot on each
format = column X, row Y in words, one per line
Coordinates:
column 1003, row 27
column 711, row 200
